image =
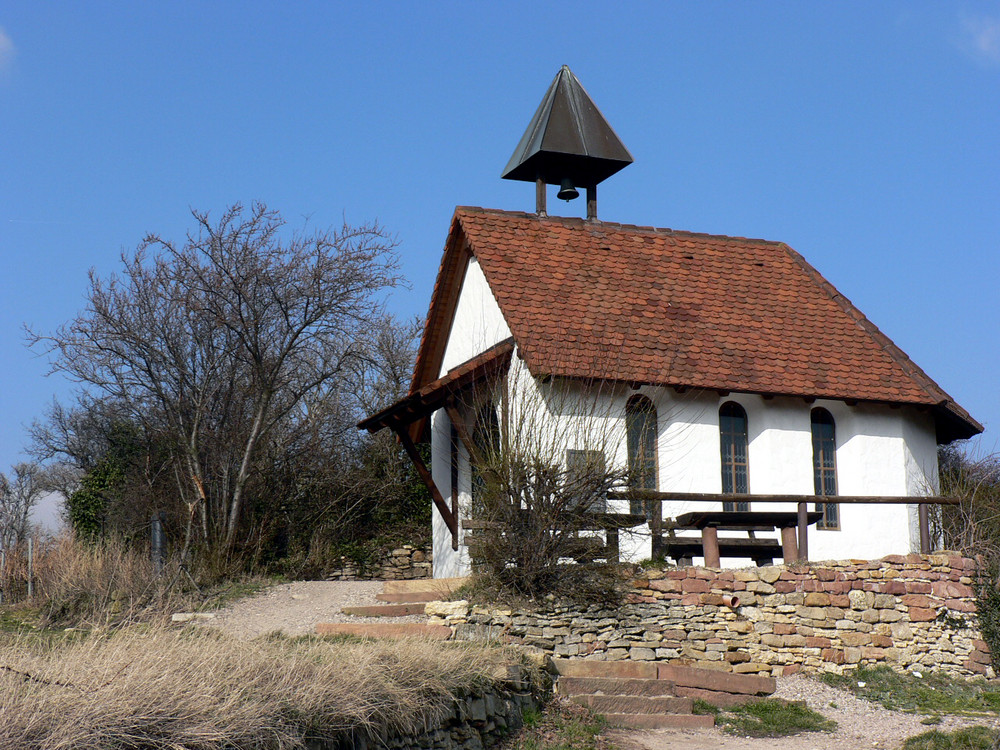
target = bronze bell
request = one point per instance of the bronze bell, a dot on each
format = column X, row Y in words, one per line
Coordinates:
column 566, row 190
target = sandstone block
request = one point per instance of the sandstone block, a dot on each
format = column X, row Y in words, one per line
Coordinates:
column 770, row 573
column 833, row 655
column 885, row 601
column 817, row 599
column 920, row 614
column 855, row 639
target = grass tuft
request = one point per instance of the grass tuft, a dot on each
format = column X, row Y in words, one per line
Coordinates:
column 931, row 693
column 560, row 726
column 970, row 738
column 773, row 718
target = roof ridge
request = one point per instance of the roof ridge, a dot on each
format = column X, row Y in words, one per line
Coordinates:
column 619, row 226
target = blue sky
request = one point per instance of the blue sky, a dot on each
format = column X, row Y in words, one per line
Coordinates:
column 865, row 135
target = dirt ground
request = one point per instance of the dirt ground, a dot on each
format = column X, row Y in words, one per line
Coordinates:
column 296, row 608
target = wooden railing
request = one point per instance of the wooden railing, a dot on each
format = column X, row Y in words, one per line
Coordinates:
column 656, row 499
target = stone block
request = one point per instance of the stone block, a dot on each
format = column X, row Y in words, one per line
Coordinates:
column 833, row 655
column 852, row 655
column 861, row 600
column 770, row 573
column 665, row 584
column 714, row 680
column 855, row 639
column 817, row 599
column 920, row 614
column 817, row 642
column 811, row 613
column 951, row 590
column 916, row 600
column 885, row 601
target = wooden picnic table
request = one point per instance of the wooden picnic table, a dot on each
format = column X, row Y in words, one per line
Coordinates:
column 709, row 522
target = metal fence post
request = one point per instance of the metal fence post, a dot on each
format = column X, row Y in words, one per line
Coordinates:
column 158, row 545
column 31, row 568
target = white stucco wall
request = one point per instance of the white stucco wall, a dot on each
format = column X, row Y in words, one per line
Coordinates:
column 880, row 450
column 478, row 322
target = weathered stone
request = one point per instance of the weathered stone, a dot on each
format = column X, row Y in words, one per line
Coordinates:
column 855, row 639
column 770, row 574
column 817, row 599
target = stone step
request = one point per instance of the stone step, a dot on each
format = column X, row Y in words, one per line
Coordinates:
column 409, row 598
column 385, row 630
column 716, row 698
column 385, row 610
column 612, row 686
column 641, row 670
column 661, row 721
column 634, row 704
column 710, row 679
column 442, row 586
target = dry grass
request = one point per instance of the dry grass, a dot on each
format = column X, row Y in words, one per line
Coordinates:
column 197, row 690
column 90, row 585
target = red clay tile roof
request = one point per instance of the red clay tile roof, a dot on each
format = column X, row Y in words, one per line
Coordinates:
column 432, row 396
column 657, row 306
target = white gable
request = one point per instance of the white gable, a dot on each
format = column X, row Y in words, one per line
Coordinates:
column 478, row 323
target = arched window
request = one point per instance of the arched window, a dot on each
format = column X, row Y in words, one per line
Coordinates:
column 641, row 432
column 824, row 440
column 487, row 440
column 735, row 464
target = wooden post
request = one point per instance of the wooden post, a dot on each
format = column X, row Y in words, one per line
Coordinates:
column 592, row 203
column 656, row 528
column 710, row 546
column 803, row 533
column 925, row 530
column 540, row 198
column 789, row 548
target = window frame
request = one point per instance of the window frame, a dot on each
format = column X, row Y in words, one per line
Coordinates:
column 731, row 410
column 642, row 453
column 823, row 471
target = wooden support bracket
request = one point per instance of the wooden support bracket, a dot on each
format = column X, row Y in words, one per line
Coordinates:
column 450, row 518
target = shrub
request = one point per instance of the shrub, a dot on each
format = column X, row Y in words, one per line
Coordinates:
column 541, row 472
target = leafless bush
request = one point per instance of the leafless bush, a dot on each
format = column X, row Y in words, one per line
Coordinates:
column 973, row 527
column 201, row 691
column 539, row 479
column 18, row 496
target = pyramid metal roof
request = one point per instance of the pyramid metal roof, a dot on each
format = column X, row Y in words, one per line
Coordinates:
column 568, row 138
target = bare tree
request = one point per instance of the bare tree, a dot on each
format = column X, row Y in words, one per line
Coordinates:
column 19, row 494
column 221, row 343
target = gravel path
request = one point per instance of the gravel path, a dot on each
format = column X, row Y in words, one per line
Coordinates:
column 860, row 724
column 296, row 608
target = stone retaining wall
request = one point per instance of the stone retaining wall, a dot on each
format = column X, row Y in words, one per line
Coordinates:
column 405, row 563
column 912, row 612
column 473, row 722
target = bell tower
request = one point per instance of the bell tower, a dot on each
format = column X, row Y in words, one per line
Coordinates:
column 568, row 143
